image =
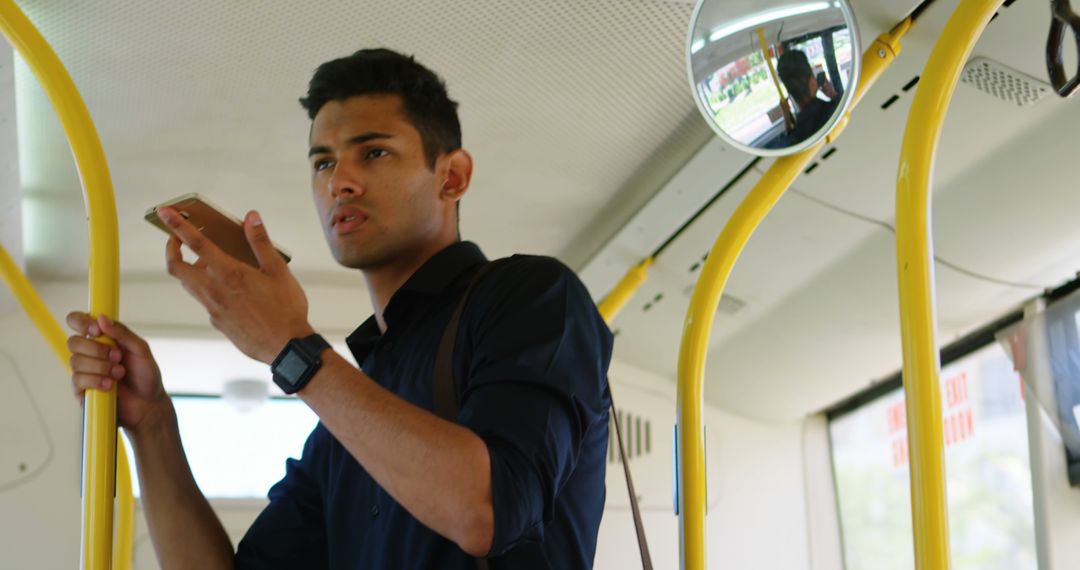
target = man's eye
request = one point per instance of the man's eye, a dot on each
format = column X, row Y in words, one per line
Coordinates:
column 321, row 165
column 375, row 153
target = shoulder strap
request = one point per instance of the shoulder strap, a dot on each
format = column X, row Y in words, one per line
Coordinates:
column 643, row 545
column 443, row 390
column 444, row 395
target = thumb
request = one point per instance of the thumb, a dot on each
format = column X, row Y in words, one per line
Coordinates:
column 269, row 259
column 124, row 337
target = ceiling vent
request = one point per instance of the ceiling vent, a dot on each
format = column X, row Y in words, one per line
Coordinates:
column 1003, row 82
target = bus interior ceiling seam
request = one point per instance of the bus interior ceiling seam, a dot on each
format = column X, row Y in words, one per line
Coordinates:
column 889, row 227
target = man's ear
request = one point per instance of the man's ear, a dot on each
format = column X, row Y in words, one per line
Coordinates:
column 459, row 165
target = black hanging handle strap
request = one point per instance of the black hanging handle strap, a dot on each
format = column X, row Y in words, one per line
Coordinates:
column 444, row 395
column 1062, row 19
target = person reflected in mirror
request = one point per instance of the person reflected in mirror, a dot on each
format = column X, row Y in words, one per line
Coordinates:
column 803, row 87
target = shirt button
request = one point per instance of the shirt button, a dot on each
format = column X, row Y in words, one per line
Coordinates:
column 375, row 510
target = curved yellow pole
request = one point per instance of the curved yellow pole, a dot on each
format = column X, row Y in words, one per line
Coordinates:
column 706, row 297
column 54, row 336
column 613, row 303
column 99, row 423
column 914, row 261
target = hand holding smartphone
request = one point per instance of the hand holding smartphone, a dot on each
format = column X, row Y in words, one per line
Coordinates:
column 226, row 231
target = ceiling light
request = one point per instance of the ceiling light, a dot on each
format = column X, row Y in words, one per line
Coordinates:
column 767, row 16
column 245, row 394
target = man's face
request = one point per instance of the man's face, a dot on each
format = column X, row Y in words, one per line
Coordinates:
column 376, row 196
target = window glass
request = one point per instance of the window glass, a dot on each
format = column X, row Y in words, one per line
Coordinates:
column 233, row 453
column 239, row 455
column 991, row 522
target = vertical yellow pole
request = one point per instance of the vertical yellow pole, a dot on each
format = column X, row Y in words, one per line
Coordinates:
column 710, row 287
column 914, row 258
column 789, row 118
column 124, row 538
column 99, row 424
column 54, row 336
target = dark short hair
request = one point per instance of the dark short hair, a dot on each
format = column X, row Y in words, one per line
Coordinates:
column 386, row 72
column 794, row 70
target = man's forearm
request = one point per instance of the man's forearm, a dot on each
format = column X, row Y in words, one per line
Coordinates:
column 437, row 470
column 184, row 529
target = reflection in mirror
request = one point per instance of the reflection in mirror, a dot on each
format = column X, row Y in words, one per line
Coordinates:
column 771, row 76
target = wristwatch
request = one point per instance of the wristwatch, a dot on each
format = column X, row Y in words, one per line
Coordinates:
column 298, row 362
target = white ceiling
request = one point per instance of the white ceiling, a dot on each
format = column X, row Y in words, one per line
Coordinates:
column 560, row 101
column 577, row 113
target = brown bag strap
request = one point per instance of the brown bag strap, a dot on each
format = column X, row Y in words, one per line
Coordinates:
column 643, row 545
column 444, row 395
column 444, row 392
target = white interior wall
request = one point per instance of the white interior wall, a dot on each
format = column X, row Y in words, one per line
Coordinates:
column 757, row 515
column 39, row 517
column 10, row 191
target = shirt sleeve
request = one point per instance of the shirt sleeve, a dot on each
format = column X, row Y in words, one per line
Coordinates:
column 290, row 531
column 536, row 383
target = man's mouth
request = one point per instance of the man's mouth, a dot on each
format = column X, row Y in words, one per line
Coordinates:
column 347, row 219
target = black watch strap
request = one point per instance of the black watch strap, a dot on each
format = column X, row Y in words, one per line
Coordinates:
column 298, row 362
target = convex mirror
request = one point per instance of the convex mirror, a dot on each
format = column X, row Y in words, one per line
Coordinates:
column 772, row 77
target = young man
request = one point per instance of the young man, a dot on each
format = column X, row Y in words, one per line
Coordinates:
column 383, row 482
column 798, row 77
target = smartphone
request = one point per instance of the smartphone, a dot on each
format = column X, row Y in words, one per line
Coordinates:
column 226, row 231
column 821, row 79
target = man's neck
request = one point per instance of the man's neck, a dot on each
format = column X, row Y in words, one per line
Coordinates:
column 384, row 281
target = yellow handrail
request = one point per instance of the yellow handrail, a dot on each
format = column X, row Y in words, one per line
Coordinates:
column 54, row 336
column 706, row 297
column 99, row 423
column 613, row 303
column 915, row 267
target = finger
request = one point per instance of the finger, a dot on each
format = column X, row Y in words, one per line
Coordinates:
column 82, row 364
column 175, row 265
column 80, row 322
column 269, row 261
column 189, row 234
column 82, row 382
column 125, row 338
column 93, row 349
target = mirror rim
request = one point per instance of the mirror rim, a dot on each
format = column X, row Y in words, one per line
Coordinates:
column 842, row 109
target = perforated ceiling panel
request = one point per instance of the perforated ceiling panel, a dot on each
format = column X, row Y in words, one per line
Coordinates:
column 1003, row 82
column 560, row 101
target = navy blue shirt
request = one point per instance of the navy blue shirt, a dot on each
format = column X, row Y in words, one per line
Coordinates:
column 530, row 368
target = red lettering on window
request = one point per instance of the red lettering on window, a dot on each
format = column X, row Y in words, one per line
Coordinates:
column 895, row 415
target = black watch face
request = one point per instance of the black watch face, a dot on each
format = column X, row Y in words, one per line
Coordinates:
column 291, row 367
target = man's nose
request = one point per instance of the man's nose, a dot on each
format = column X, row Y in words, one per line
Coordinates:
column 341, row 184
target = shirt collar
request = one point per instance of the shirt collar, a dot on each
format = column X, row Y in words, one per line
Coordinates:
column 432, row 278
column 443, row 268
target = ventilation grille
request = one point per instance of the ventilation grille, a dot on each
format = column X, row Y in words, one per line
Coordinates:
column 1002, row 82
column 636, row 436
